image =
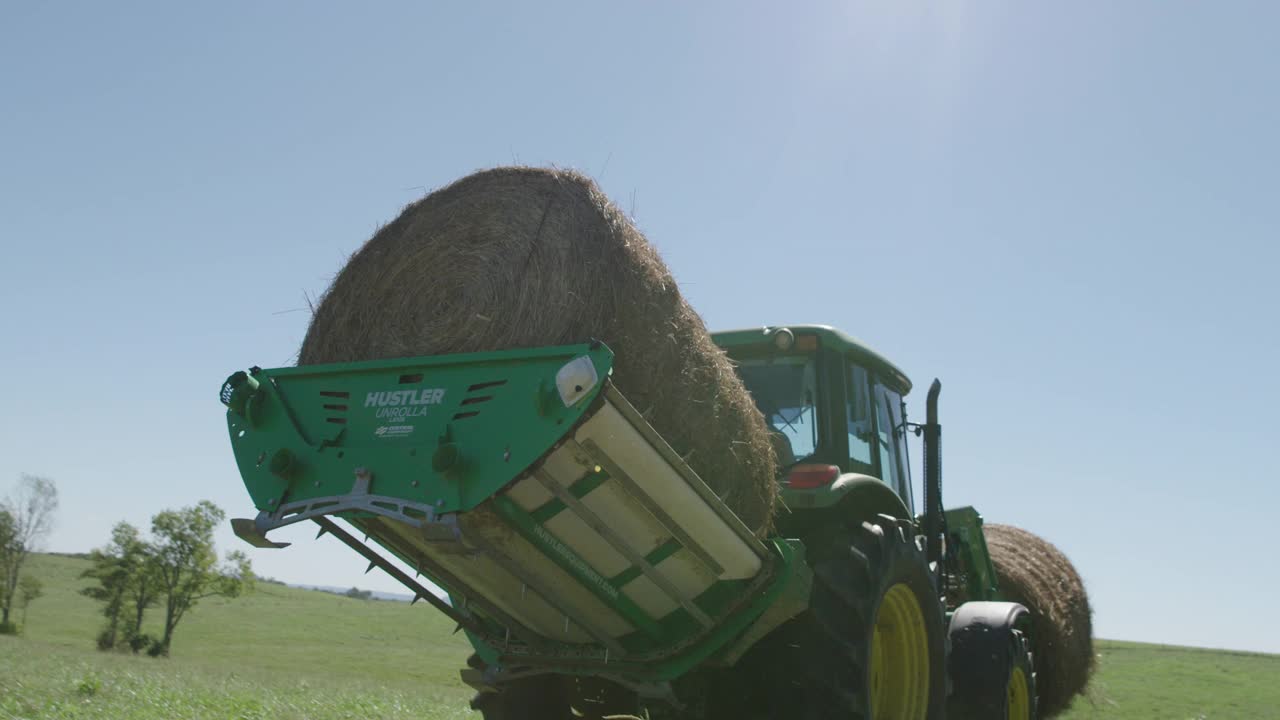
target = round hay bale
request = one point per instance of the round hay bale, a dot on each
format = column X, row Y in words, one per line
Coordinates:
column 1033, row 572
column 521, row 257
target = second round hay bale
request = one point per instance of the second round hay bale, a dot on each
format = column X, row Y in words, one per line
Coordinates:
column 1033, row 572
column 522, row 257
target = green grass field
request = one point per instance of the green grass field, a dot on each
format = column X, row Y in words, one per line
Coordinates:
column 287, row 654
column 278, row 653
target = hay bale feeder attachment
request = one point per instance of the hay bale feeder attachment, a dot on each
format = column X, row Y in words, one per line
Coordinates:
column 566, row 532
column 593, row 569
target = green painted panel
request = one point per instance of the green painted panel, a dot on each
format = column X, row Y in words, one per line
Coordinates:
column 448, row 431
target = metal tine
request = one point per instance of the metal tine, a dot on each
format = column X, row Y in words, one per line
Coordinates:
column 374, row 560
column 397, row 544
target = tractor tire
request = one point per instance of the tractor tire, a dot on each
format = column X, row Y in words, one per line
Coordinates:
column 1022, row 681
column 992, row 668
column 871, row 646
column 1011, row 694
column 554, row 697
column 542, row 697
column 598, row 699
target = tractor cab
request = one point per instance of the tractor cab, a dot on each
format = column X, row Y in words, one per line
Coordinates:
column 834, row 405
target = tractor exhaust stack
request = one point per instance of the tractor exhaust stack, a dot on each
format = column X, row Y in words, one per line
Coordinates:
column 934, row 522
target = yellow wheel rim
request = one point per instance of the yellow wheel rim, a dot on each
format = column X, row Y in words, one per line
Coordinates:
column 1019, row 697
column 899, row 658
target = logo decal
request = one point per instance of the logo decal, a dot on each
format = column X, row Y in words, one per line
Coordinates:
column 393, row 430
column 403, row 404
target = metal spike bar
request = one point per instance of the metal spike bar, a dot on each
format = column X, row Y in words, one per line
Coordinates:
column 548, row 595
column 372, row 565
column 322, row 532
column 395, row 572
column 398, row 546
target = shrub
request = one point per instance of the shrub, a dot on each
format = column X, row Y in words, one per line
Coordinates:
column 89, row 685
column 106, row 640
column 140, row 642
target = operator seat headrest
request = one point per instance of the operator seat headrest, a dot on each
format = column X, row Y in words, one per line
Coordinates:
column 782, row 447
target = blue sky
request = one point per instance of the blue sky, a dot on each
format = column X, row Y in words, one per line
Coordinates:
column 1068, row 212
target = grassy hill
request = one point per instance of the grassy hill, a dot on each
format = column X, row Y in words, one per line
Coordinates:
column 286, row 654
column 1137, row 680
column 279, row 653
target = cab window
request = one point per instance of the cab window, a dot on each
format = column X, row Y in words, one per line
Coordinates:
column 784, row 389
column 891, row 442
column 859, row 426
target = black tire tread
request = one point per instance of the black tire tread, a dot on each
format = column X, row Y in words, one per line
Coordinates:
column 815, row 667
column 985, row 695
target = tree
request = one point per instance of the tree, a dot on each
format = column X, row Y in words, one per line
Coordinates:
column 187, row 564
column 29, row 588
column 26, row 517
column 143, row 592
column 356, row 593
column 7, row 542
column 126, row 575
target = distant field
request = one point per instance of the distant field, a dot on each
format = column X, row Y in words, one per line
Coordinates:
column 289, row 654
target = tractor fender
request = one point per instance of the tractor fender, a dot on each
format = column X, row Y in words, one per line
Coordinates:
column 865, row 496
column 988, row 614
column 981, row 636
column 851, row 499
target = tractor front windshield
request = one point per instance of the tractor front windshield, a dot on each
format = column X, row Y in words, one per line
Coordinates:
column 784, row 388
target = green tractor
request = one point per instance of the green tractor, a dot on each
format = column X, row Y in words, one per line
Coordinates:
column 597, row 575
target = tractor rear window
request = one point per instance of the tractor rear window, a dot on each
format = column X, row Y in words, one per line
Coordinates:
column 784, row 389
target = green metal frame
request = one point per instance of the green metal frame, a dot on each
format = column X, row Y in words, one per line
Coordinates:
column 968, row 546
column 759, row 608
column 421, row 440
